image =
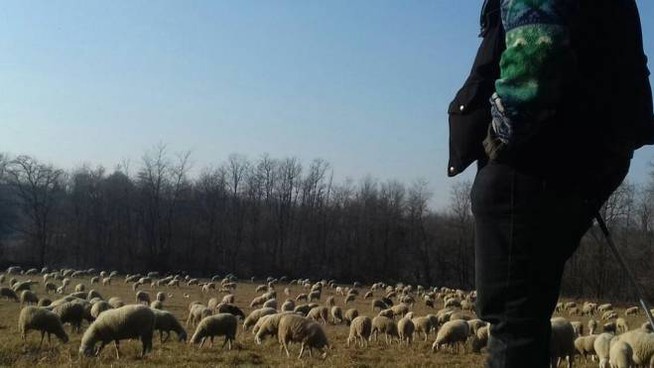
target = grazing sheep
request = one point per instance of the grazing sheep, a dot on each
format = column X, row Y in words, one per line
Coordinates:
column 7, row 293
column 320, row 313
column 231, row 309
column 632, row 311
column 74, row 312
column 80, row 287
column 198, row 312
column 44, row 302
column 621, row 326
column 142, row 297
column 452, row 333
column 642, row 344
column 585, row 346
column 28, row 297
column 40, row 319
column 349, row 298
column 337, row 314
column 350, row 315
column 157, row 305
column 480, row 339
column 294, row 328
column 115, row 302
column 270, row 303
column 106, row 281
column 267, row 326
column 605, row 307
column 405, row 329
column 288, row 306
column 165, row 322
column 601, row 347
column 360, row 330
column 610, row 327
column 95, row 280
column 255, row 315
column 562, row 341
column 422, row 324
column 620, row 355
column 303, row 309
column 93, row 294
column 161, row 296
column 228, row 299
column 378, row 304
column 588, row 309
column 578, row 327
column 127, row 322
column 50, row 286
column 385, row 325
column 386, row 313
column 221, row 324
column 98, row 308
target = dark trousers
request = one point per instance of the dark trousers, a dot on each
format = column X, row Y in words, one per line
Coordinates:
column 526, row 228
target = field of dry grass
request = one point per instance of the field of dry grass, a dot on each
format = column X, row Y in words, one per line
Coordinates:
column 16, row 353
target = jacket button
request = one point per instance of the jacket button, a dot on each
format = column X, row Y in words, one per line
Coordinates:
column 462, row 107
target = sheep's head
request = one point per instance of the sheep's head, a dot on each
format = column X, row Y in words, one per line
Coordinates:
column 86, row 350
column 182, row 336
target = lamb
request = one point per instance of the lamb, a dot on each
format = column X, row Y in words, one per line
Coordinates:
column 28, row 297
column 337, row 314
column 320, row 313
column 562, row 341
column 106, row 281
column 620, row 355
column 98, row 308
column 360, row 329
column 381, row 324
column 422, row 324
column 142, row 297
column 452, row 333
column 127, row 322
column 41, row 319
column 585, row 345
column 601, row 347
column 642, row 344
column 350, row 315
column 294, row 328
column 7, row 293
column 165, row 322
column 221, row 324
column 405, row 329
column 605, row 307
column 255, row 315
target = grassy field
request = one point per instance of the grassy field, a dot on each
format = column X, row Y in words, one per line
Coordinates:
column 16, row 353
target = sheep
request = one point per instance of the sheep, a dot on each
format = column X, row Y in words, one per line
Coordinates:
column 8, row 294
column 142, row 297
column 592, row 326
column 49, row 286
column 115, row 302
column 270, row 303
column 609, row 315
column 80, row 287
column 288, row 306
column 221, row 324
column 642, row 344
column 585, row 345
column 386, row 313
column 93, row 294
column 41, row 319
column 337, row 314
column 127, row 322
column 99, row 307
column 25, row 285
column 197, row 313
column 381, row 324
column 228, row 299
column 378, row 303
column 157, row 305
column 632, row 311
column 621, row 326
column 349, row 298
column 475, row 325
column 330, row 301
column 578, row 327
column 480, row 339
column 231, row 309
column 106, row 281
column 605, row 307
column 422, row 324
column 405, row 329
column 161, row 296
column 601, row 347
column 320, row 313
column 267, row 326
column 360, row 329
column 165, row 322
column 28, row 297
column 620, row 355
column 294, row 328
column 255, row 315
column 562, row 341
column 44, row 302
column 95, row 280
column 73, row 312
column 350, row 315
column 452, row 333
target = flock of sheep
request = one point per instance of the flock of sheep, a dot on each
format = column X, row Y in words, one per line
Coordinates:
column 301, row 318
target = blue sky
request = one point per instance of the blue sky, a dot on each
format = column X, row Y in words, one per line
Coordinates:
column 363, row 84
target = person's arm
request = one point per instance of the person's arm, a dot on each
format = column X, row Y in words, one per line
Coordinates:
column 536, row 62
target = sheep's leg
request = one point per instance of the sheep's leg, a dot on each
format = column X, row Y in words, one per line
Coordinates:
column 310, row 352
column 102, row 344
column 211, row 342
column 286, row 348
column 202, row 342
column 42, row 336
column 116, row 345
column 301, row 351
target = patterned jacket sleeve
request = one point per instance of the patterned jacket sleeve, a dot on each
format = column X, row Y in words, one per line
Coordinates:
column 536, row 61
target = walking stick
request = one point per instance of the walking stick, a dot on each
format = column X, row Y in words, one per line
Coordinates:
column 618, row 256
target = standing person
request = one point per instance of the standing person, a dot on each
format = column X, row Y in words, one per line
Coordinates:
column 570, row 102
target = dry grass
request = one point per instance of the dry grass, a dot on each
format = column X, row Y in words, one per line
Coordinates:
column 16, row 353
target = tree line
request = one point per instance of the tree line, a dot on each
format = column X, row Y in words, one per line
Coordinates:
column 273, row 216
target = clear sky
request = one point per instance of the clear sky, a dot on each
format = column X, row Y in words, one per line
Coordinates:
column 363, row 84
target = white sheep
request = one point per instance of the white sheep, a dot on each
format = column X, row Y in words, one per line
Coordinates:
column 480, row 339
column 221, row 324
column 295, row 328
column 288, row 305
column 161, row 296
column 585, row 346
column 127, row 322
column 197, row 313
column 142, row 297
column 98, row 308
column 115, row 302
column 320, row 313
column 337, row 314
column 360, row 330
column 267, row 326
column 405, row 329
column 255, row 315
column 602, row 347
column 621, row 326
column 592, row 326
column 642, row 344
column 165, row 322
column 385, row 325
column 270, row 303
column 40, row 319
column 422, row 325
column 562, row 341
column 452, row 333
column 620, row 354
